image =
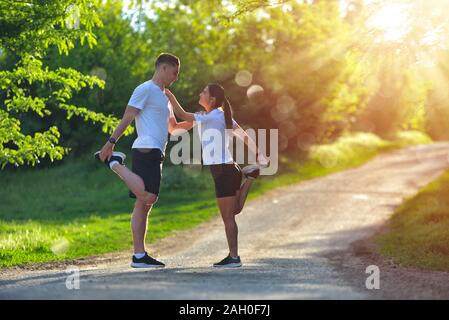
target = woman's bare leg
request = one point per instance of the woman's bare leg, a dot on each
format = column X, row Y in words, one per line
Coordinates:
column 242, row 194
column 227, row 208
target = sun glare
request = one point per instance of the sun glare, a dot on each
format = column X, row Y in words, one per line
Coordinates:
column 392, row 21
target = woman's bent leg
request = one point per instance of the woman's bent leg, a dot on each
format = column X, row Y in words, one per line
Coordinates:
column 242, row 194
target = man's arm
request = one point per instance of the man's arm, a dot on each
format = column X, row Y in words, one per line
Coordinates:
column 128, row 117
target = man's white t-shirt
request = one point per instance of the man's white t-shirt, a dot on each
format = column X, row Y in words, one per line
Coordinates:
column 152, row 120
column 214, row 137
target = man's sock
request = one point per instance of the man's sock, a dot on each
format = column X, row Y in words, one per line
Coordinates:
column 139, row 255
column 112, row 163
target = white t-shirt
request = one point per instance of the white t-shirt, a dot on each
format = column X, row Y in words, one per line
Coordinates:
column 152, row 120
column 213, row 136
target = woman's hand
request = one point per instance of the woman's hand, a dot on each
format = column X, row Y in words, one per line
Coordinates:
column 168, row 93
column 177, row 109
column 262, row 161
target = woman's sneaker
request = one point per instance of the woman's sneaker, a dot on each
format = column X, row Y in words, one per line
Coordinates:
column 146, row 262
column 252, row 171
column 229, row 262
column 116, row 156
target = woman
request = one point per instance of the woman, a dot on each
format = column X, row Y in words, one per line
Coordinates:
column 214, row 125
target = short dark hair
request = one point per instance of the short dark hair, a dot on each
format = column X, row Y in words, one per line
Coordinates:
column 167, row 58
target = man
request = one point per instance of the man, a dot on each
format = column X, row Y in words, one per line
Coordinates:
column 154, row 118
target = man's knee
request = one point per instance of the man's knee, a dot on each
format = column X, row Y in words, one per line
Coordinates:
column 147, row 199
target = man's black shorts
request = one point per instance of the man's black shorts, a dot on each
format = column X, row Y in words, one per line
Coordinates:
column 227, row 179
column 147, row 164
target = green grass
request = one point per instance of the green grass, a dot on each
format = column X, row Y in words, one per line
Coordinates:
column 80, row 208
column 418, row 235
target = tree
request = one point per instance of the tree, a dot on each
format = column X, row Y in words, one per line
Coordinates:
column 301, row 55
column 404, row 87
column 122, row 58
column 29, row 88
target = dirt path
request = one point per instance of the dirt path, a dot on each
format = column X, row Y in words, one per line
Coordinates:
column 304, row 241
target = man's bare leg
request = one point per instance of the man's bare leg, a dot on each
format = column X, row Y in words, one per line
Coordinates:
column 135, row 184
column 139, row 223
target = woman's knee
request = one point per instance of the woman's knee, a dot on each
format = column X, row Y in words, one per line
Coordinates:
column 229, row 219
column 238, row 209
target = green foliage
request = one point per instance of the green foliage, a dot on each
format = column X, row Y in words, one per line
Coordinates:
column 403, row 76
column 32, row 26
column 192, row 30
column 28, row 29
column 409, row 137
column 312, row 83
column 350, row 146
column 417, row 235
column 321, row 75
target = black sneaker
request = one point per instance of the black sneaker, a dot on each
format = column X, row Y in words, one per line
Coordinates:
column 252, row 171
column 146, row 262
column 116, row 156
column 229, row 262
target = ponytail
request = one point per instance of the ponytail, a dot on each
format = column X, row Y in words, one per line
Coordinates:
column 217, row 91
column 227, row 113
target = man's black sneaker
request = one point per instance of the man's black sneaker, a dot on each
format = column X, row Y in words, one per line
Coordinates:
column 116, row 156
column 252, row 171
column 146, row 262
column 229, row 262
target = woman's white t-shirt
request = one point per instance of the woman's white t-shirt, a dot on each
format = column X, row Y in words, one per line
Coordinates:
column 152, row 120
column 214, row 137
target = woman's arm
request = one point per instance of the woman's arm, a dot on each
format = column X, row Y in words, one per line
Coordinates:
column 242, row 135
column 177, row 109
column 173, row 125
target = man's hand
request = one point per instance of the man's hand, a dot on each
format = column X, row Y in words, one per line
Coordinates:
column 128, row 117
column 106, row 151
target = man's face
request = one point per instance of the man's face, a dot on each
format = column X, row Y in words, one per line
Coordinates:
column 171, row 73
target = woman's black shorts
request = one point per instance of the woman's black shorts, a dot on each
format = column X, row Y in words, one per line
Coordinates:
column 147, row 164
column 227, row 179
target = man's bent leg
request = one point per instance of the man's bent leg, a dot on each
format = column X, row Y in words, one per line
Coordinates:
column 135, row 184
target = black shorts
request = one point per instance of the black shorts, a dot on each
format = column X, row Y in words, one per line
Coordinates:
column 227, row 179
column 147, row 164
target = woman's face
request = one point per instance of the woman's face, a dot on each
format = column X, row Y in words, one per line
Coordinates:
column 205, row 98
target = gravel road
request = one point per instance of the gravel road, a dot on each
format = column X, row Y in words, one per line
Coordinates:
column 305, row 241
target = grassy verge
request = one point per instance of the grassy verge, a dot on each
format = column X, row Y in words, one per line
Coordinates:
column 418, row 234
column 80, row 209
